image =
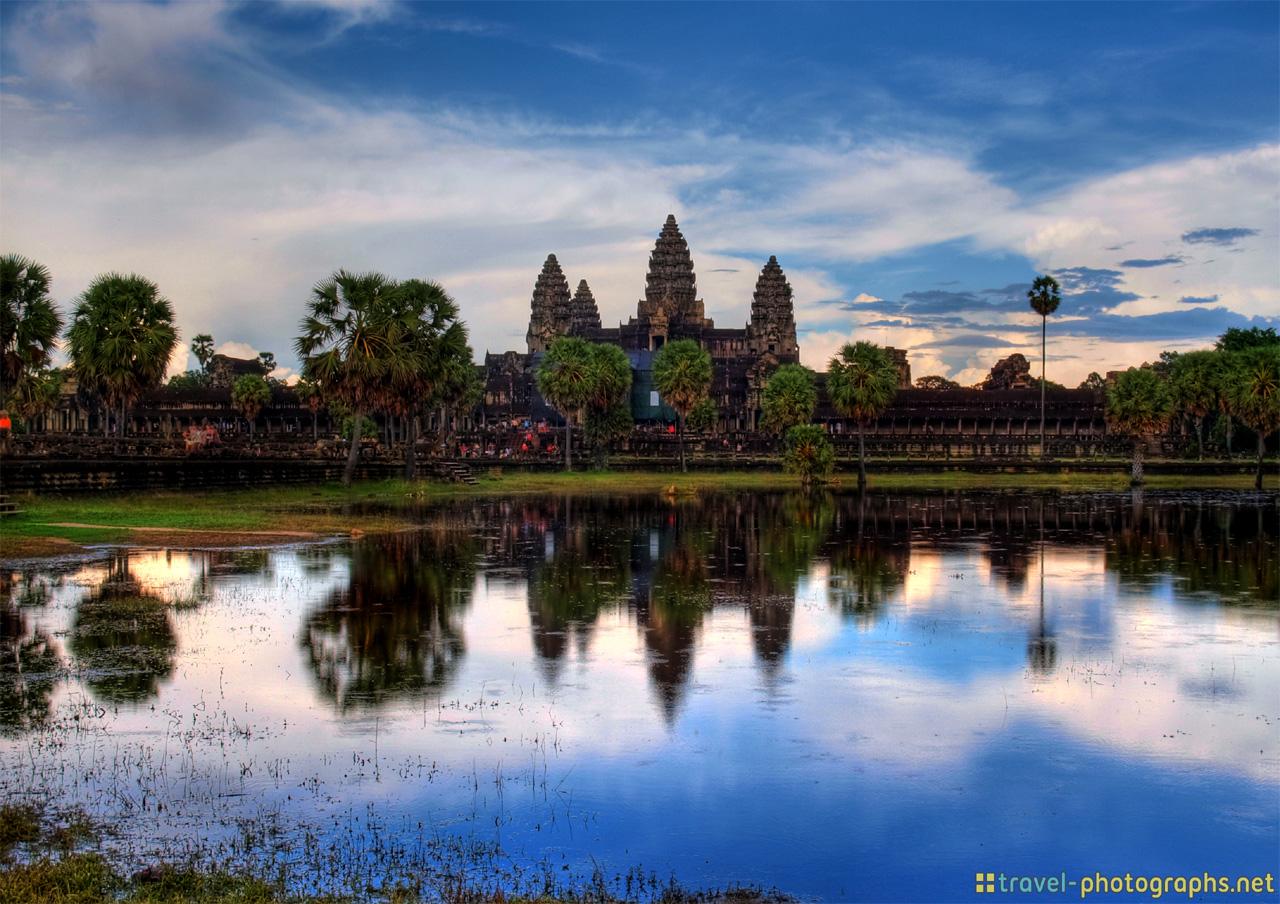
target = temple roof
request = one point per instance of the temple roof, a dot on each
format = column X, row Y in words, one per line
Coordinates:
column 584, row 316
column 671, row 273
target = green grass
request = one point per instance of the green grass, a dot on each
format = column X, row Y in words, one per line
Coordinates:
column 318, row 509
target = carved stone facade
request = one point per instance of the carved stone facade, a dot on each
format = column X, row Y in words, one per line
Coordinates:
column 549, row 313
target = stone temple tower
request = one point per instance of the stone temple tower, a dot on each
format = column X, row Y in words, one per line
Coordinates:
column 773, row 324
column 670, row 286
column 584, row 316
column 549, row 310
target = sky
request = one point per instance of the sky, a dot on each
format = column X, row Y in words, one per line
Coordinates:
column 913, row 166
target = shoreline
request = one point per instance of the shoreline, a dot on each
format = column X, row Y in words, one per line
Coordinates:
column 56, row 525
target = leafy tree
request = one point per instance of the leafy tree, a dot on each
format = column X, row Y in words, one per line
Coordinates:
column 1139, row 404
column 1094, row 383
column 936, row 383
column 789, row 399
column 268, row 362
column 1044, row 299
column 1255, row 395
column 602, row 429
column 1236, row 339
column 353, row 345
column 703, row 417
column 188, row 380
column 29, row 322
column 202, row 348
column 1194, row 390
column 462, row 389
column 566, row 380
column 682, row 373
column 250, row 394
column 121, row 336
column 861, row 382
column 808, row 452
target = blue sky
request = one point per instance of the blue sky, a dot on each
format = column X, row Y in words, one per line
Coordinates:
column 913, row 166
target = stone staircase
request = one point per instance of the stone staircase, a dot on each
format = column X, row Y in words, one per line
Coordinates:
column 456, row 472
column 7, row 506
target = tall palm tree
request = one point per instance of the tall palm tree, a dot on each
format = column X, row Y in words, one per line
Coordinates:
column 202, row 348
column 435, row 339
column 29, row 322
column 1044, row 298
column 861, row 382
column 607, row 412
column 1255, row 395
column 121, row 337
column 1194, row 390
column 352, row 345
column 565, row 377
column 682, row 373
column 251, row 393
column 1139, row 404
column 309, row 394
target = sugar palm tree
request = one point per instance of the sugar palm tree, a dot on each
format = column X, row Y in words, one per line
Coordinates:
column 1044, row 299
column 607, row 412
column 29, row 322
column 434, row 338
column 1139, row 403
column 121, row 337
column 309, row 394
column 682, row 373
column 352, row 345
column 202, row 348
column 1255, row 395
column 861, row 382
column 565, row 377
column 1194, row 390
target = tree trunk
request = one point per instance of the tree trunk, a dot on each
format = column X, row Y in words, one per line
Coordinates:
column 353, row 454
column 568, row 443
column 411, row 448
column 250, row 420
column 1044, row 321
column 1135, row 475
column 684, row 467
column 106, row 421
column 862, row 460
column 1231, row 430
column 124, row 422
column 1257, row 475
column 315, row 426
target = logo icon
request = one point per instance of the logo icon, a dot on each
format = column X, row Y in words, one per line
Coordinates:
column 986, row 882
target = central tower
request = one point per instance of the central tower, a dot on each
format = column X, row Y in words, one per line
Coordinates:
column 670, row 287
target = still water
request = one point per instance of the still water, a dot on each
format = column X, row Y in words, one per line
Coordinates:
column 841, row 698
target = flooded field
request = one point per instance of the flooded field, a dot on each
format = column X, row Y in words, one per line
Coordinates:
column 840, row 698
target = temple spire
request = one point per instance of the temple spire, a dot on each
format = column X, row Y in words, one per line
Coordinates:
column 549, row 307
column 773, row 325
column 584, row 316
column 671, row 274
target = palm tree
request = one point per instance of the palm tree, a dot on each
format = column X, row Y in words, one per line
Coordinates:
column 1255, row 395
column 1194, row 392
column 121, row 337
column 202, row 348
column 1044, row 299
column 682, row 373
column 435, row 339
column 608, row 414
column 565, row 377
column 808, row 452
column 29, row 323
column 352, row 345
column 1139, row 404
column 861, row 382
column 789, row 398
column 309, row 393
column 250, row 393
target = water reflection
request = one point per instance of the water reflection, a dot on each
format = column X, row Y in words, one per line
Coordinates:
column 392, row 632
column 122, row 638
column 29, row 660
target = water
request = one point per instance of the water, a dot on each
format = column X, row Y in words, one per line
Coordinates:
column 841, row 699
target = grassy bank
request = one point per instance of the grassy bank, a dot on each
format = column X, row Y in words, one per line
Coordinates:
column 61, row 859
column 48, row 525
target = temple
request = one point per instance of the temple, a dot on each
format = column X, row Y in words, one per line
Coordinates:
column 742, row 358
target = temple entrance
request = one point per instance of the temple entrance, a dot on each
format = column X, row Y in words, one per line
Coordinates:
column 656, row 342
